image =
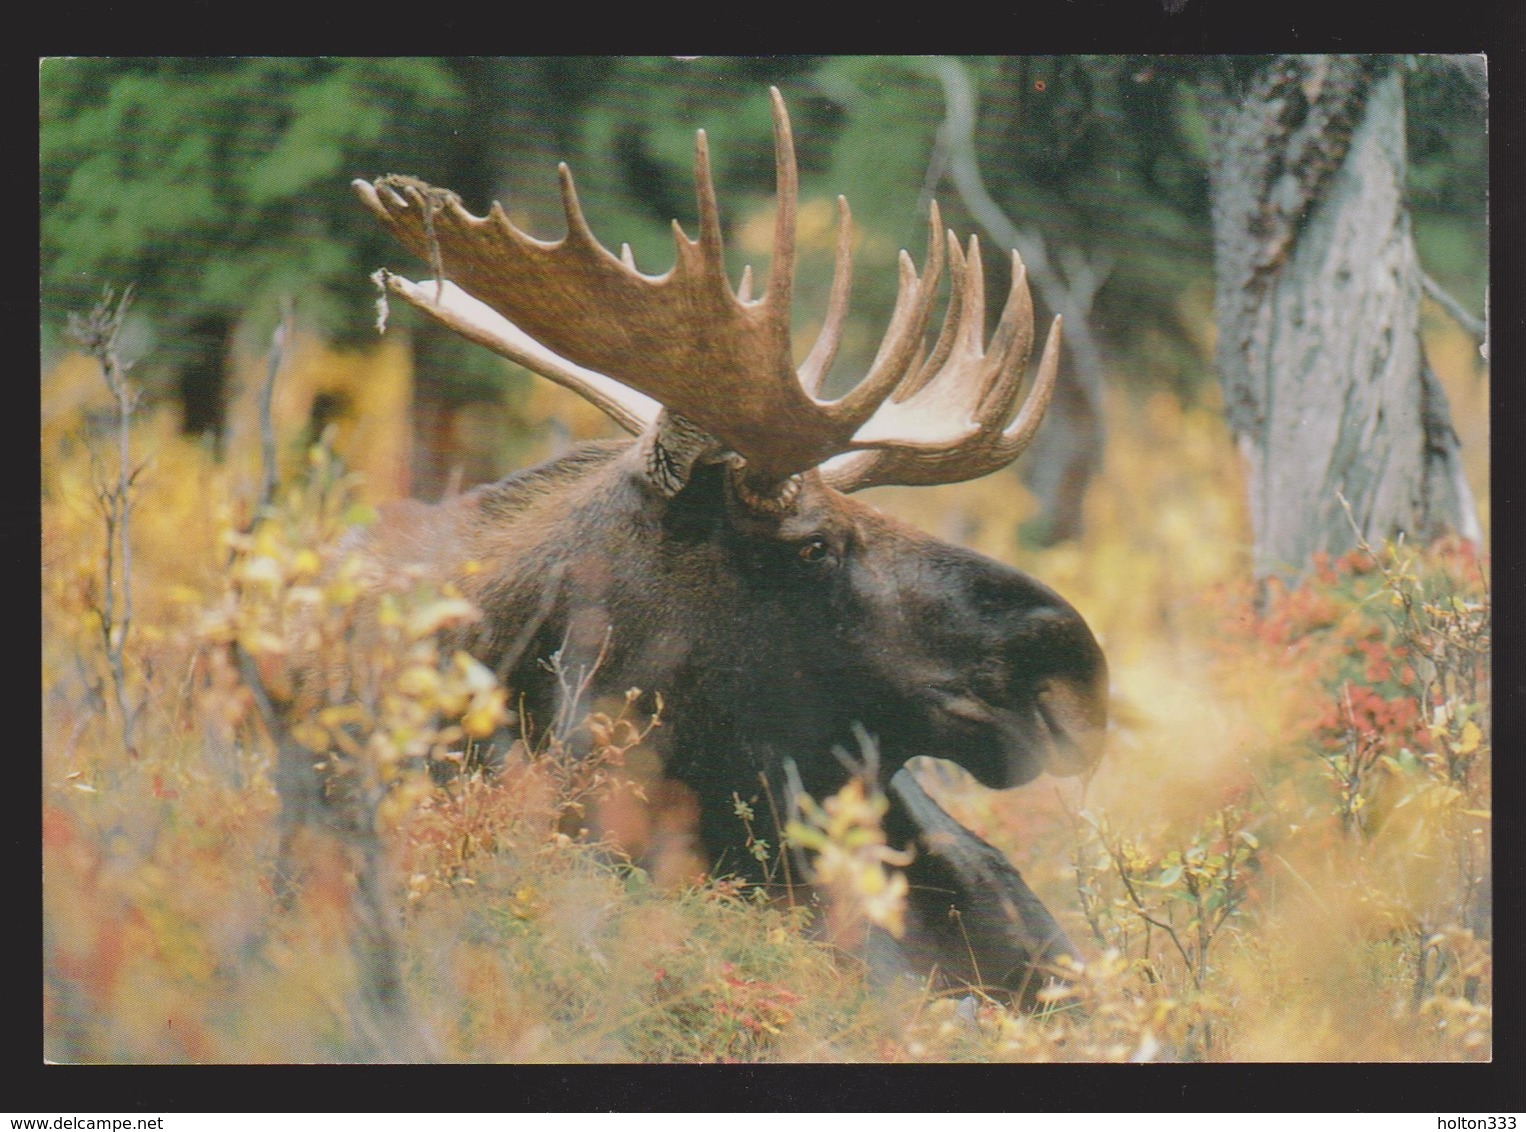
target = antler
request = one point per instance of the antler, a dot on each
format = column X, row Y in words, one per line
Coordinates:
column 684, row 341
column 955, row 417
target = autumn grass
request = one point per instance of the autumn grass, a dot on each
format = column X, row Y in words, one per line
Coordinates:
column 1284, row 855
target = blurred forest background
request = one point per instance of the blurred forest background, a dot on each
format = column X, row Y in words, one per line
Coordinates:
column 218, row 190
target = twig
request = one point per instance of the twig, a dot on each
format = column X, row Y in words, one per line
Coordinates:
column 97, row 333
column 1478, row 328
column 1116, row 853
column 937, row 169
column 572, row 694
column 789, row 882
column 280, row 347
column 1089, row 905
column 955, row 915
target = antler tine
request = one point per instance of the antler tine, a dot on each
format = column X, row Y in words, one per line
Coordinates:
column 928, row 364
column 711, row 263
column 578, row 233
column 966, row 384
column 1020, row 432
column 781, row 268
column 970, row 332
column 957, row 422
column 902, row 342
column 1011, row 346
column 455, row 309
column 918, row 378
column 814, row 369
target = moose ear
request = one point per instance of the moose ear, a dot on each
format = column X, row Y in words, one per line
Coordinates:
column 671, row 447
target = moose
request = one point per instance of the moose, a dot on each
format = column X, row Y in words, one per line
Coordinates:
column 718, row 559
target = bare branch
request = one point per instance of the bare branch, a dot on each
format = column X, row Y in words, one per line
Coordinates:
column 280, row 350
column 1068, row 453
column 1478, row 328
column 1061, row 295
column 97, row 334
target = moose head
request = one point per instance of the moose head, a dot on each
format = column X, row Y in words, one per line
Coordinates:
column 719, row 559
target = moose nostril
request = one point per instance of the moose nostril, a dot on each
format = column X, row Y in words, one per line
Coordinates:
column 1076, row 717
column 1072, row 707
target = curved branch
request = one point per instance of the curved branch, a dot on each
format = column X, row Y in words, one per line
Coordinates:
column 1068, row 452
column 957, row 142
column 1478, row 328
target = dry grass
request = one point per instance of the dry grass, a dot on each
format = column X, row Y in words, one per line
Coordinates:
column 1284, row 856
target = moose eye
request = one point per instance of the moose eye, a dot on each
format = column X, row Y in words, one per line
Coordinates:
column 814, row 551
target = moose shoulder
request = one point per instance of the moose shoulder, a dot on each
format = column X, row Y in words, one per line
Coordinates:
column 717, row 558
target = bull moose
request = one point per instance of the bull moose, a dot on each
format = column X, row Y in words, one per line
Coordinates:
column 717, row 557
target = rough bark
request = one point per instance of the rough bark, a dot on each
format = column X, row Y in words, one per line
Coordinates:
column 1318, row 308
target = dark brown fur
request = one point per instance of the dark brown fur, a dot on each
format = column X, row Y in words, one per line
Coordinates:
column 769, row 638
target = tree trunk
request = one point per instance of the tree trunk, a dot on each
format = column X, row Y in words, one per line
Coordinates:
column 1065, row 455
column 1318, row 308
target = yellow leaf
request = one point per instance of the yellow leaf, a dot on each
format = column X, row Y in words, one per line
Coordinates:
column 1468, row 742
column 305, row 563
column 388, row 614
column 419, row 681
column 340, row 714
column 436, row 615
column 343, row 593
column 261, row 568
column 311, row 736
column 485, row 715
column 267, row 540
column 477, row 676
column 261, row 642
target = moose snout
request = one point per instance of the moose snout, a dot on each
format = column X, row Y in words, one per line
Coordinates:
column 1076, row 718
column 1022, row 690
column 1054, row 652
